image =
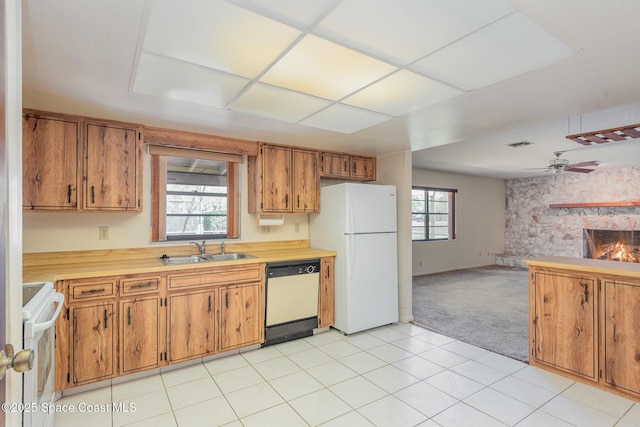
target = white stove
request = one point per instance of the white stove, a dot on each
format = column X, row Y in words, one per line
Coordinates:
column 39, row 313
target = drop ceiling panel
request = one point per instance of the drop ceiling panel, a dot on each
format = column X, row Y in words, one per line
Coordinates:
column 297, row 13
column 487, row 56
column 277, row 103
column 321, row 68
column 401, row 93
column 168, row 78
column 216, row 34
column 402, row 31
column 344, row 119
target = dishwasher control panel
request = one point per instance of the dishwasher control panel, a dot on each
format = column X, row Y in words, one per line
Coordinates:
column 292, row 268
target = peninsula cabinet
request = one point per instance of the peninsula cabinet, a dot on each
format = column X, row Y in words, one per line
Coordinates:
column 284, row 180
column 79, row 164
column 50, row 155
column 586, row 324
column 564, row 322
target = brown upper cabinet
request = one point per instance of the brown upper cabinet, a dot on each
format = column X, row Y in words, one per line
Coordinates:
column 50, row 155
column 347, row 167
column 284, row 179
column 112, row 174
column 76, row 163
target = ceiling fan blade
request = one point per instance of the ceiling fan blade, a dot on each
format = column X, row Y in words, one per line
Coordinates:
column 583, row 164
column 581, row 170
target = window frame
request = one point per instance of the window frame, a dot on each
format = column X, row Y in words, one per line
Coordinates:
column 159, row 193
column 451, row 214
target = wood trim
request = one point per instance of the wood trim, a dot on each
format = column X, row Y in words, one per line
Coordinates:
column 199, row 141
column 159, row 150
column 233, row 210
column 595, row 204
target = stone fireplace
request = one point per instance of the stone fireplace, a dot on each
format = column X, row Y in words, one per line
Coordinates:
column 612, row 245
column 547, row 216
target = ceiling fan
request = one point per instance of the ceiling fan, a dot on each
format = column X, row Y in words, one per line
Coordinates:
column 558, row 165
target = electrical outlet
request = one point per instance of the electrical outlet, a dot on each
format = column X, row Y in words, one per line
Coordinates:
column 296, row 227
column 266, row 229
column 103, row 232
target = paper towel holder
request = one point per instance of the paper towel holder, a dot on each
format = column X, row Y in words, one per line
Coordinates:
column 270, row 219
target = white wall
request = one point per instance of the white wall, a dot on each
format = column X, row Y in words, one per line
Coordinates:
column 72, row 231
column 396, row 169
column 480, row 223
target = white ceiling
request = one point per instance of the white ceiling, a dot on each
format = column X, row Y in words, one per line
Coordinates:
column 454, row 81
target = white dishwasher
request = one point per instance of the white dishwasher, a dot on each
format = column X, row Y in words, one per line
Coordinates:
column 291, row 300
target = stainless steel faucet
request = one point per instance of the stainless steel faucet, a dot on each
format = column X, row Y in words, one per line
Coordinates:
column 201, row 246
column 222, row 248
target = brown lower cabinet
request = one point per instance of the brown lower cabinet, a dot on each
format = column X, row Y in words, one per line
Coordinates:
column 117, row 325
column 586, row 326
column 192, row 328
column 93, row 343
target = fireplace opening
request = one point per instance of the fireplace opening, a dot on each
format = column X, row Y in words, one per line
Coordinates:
column 612, row 245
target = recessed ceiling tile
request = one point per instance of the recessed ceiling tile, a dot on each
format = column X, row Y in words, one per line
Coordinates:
column 321, row 68
column 344, row 119
column 508, row 47
column 216, row 34
column 402, row 31
column 277, row 103
column 168, row 78
column 297, row 13
column 401, row 93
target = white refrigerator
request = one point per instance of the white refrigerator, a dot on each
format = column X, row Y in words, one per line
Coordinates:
column 358, row 221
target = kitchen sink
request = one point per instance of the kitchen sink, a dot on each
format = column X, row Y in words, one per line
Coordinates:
column 170, row 260
column 226, row 257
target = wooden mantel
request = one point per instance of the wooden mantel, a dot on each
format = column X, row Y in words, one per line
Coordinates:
column 595, row 204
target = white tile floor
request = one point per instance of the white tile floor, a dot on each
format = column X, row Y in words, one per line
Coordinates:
column 398, row 375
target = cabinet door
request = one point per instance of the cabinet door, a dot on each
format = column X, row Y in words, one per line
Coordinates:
column 241, row 318
column 276, row 179
column 112, row 167
column 335, row 165
column 565, row 323
column 622, row 335
column 139, row 333
column 192, row 325
column 326, row 297
column 363, row 168
column 49, row 162
column 306, row 181
column 93, row 333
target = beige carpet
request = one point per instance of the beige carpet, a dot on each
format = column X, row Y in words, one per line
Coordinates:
column 487, row 307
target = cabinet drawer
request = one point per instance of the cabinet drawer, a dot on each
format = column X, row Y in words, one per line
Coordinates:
column 91, row 290
column 139, row 285
column 217, row 276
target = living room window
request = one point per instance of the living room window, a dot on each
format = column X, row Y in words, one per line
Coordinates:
column 433, row 214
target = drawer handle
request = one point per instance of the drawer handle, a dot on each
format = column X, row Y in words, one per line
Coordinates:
column 92, row 291
column 141, row 285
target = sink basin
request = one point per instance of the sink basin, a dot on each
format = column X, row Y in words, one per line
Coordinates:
column 226, row 257
column 202, row 258
column 182, row 259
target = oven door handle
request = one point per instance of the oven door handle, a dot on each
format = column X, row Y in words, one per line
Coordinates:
column 59, row 298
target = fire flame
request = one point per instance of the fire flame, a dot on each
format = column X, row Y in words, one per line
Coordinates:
column 617, row 252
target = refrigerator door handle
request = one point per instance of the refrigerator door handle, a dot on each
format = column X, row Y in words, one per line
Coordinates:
column 351, row 247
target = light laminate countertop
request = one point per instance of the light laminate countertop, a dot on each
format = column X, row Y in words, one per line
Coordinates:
column 587, row 265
